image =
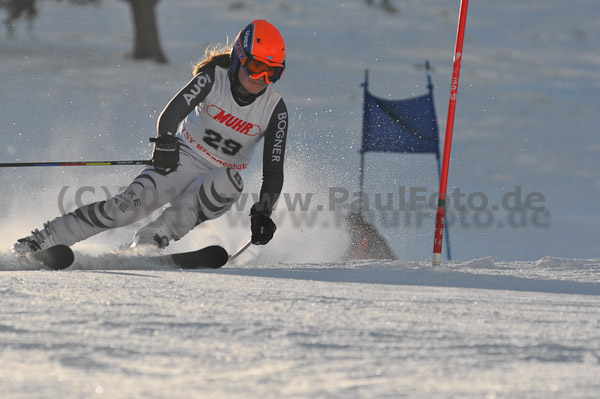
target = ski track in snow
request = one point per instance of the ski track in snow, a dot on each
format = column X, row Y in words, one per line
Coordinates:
column 550, row 275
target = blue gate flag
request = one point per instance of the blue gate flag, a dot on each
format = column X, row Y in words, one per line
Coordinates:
column 404, row 126
column 400, row 125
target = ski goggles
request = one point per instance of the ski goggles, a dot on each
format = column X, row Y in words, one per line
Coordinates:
column 257, row 69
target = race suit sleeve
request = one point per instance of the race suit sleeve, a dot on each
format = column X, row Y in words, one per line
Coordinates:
column 273, row 155
column 185, row 101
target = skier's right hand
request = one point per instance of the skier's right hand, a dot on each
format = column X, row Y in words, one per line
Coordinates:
column 166, row 153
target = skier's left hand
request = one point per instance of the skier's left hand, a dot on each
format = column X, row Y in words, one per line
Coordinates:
column 262, row 227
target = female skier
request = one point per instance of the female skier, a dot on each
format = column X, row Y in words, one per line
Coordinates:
column 206, row 134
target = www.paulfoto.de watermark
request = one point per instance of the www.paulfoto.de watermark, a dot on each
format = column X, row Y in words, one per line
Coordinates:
column 406, row 206
column 415, row 206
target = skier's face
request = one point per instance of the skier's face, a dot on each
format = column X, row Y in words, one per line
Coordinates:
column 253, row 86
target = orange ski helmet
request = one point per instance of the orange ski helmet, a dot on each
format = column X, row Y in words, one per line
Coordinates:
column 259, row 48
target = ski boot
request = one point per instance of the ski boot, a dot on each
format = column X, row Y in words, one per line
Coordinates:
column 37, row 241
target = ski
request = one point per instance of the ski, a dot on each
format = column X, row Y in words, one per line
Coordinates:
column 58, row 257
column 211, row 257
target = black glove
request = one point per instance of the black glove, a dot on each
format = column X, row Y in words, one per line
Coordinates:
column 262, row 227
column 166, row 153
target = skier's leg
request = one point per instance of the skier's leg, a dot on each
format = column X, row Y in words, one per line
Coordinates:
column 207, row 197
column 146, row 193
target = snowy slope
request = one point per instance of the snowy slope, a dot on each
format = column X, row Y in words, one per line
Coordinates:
column 515, row 315
column 370, row 330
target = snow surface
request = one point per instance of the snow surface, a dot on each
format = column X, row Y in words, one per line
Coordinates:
column 516, row 314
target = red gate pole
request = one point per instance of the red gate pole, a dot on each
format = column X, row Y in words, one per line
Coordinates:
column 441, row 210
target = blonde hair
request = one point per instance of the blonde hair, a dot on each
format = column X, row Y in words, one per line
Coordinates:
column 213, row 56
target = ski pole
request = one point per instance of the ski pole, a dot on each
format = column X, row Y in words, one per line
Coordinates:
column 239, row 251
column 79, row 163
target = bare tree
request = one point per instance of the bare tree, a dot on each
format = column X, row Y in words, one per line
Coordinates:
column 386, row 5
column 16, row 9
column 146, row 43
